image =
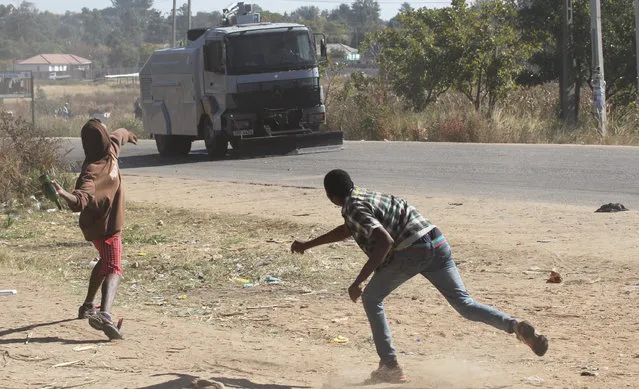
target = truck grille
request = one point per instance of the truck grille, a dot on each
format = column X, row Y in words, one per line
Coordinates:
column 277, row 98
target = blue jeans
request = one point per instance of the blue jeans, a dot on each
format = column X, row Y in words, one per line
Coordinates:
column 431, row 257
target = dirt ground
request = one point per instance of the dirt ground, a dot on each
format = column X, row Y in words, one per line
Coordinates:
column 505, row 252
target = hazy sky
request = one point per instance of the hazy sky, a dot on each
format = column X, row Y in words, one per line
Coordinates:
column 389, row 7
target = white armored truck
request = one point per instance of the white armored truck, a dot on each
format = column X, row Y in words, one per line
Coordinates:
column 253, row 85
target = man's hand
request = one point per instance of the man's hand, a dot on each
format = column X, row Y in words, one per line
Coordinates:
column 298, row 247
column 57, row 187
column 354, row 291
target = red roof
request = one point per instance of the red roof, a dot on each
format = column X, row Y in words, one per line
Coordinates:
column 55, row 59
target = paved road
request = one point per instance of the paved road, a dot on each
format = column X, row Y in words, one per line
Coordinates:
column 570, row 174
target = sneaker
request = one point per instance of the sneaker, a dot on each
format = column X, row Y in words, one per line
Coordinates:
column 101, row 321
column 526, row 333
column 388, row 374
column 86, row 310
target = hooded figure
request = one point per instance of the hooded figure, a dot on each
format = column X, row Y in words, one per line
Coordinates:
column 99, row 197
column 98, row 190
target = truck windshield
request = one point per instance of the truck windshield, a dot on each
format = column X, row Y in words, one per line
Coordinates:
column 268, row 51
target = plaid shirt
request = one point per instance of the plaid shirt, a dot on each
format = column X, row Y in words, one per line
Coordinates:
column 364, row 211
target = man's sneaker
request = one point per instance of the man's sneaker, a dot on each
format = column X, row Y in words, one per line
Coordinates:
column 86, row 310
column 526, row 333
column 388, row 374
column 102, row 321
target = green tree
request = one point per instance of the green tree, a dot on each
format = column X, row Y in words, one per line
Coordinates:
column 476, row 51
column 540, row 23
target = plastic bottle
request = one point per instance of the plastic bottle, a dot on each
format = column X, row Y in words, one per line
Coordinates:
column 49, row 190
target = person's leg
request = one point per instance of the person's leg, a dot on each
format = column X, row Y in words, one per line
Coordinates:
column 447, row 280
column 95, row 281
column 109, row 288
column 381, row 284
column 111, row 271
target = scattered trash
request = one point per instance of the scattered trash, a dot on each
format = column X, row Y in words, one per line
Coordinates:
column 183, row 297
column 120, row 321
column 267, row 261
column 36, row 203
column 8, row 292
column 209, row 384
column 339, row 319
column 456, row 204
column 544, row 241
column 67, row 363
column 272, row 280
column 160, row 223
column 141, row 254
column 241, row 281
column 29, row 336
column 589, row 371
column 612, row 207
column 83, row 348
column 555, row 278
column 535, row 379
column 338, row 340
column 248, row 285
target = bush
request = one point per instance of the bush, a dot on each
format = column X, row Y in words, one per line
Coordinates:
column 25, row 153
column 365, row 108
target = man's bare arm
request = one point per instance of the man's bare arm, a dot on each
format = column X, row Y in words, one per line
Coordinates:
column 337, row 234
column 383, row 244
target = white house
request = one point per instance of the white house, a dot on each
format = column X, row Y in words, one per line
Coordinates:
column 54, row 66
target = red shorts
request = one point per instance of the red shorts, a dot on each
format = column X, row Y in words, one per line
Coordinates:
column 110, row 250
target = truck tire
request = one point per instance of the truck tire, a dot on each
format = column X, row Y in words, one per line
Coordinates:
column 172, row 145
column 216, row 145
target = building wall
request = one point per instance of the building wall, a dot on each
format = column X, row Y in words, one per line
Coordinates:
column 45, row 71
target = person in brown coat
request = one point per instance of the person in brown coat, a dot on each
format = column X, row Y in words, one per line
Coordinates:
column 99, row 197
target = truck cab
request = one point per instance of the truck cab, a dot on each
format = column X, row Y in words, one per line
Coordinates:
column 251, row 85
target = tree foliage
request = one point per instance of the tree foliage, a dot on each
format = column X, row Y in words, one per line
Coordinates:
column 474, row 50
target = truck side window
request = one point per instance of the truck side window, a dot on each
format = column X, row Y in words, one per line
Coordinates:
column 213, row 61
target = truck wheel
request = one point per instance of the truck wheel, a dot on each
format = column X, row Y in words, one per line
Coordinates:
column 216, row 146
column 172, row 145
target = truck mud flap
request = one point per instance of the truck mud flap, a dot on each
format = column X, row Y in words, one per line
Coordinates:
column 291, row 144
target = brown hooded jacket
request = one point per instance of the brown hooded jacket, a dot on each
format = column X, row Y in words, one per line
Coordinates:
column 99, row 188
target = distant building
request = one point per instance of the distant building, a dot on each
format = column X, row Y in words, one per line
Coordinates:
column 55, row 66
column 344, row 52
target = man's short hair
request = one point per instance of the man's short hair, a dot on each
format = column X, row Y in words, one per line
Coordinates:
column 338, row 183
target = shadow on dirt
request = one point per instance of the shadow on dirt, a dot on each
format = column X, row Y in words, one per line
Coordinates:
column 32, row 326
column 247, row 384
column 52, row 339
column 183, row 381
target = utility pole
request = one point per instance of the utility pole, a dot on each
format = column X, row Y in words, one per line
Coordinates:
column 174, row 21
column 188, row 7
column 598, row 80
column 567, row 81
column 637, row 40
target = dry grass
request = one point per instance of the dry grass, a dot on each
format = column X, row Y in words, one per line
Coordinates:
column 25, row 153
column 169, row 253
column 368, row 110
column 82, row 98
